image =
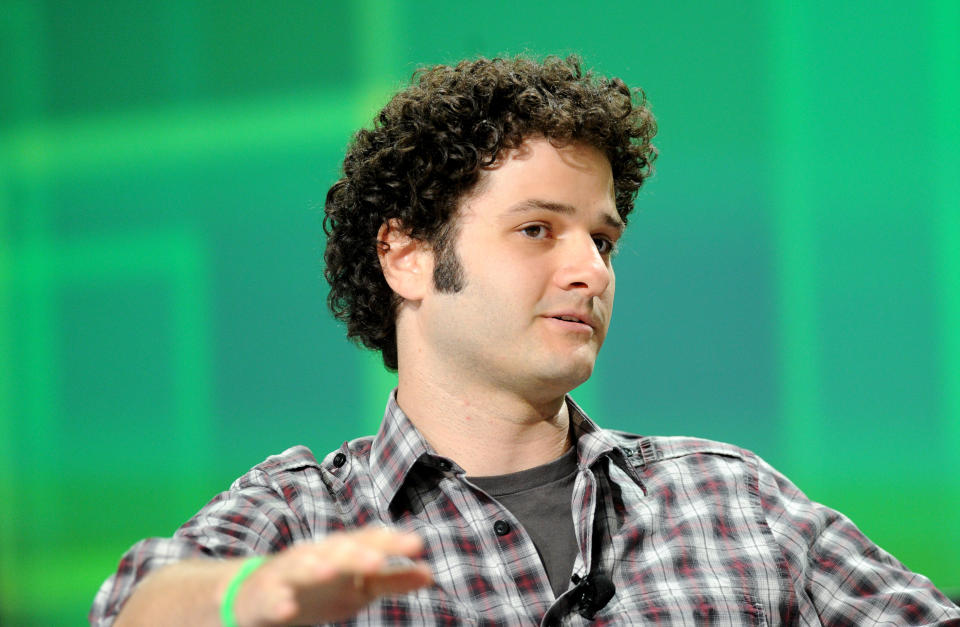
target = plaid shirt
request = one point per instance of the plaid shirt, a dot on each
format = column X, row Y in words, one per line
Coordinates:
column 692, row 532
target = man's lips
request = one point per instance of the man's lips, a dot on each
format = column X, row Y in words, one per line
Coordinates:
column 575, row 317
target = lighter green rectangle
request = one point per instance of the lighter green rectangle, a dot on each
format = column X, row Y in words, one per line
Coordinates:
column 794, row 243
column 179, row 134
column 44, row 266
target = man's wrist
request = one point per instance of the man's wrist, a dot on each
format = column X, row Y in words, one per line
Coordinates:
column 229, row 589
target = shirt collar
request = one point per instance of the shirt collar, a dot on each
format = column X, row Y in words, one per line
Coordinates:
column 398, row 446
column 592, row 441
column 395, row 449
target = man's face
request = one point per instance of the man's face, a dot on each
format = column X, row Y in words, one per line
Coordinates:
column 534, row 243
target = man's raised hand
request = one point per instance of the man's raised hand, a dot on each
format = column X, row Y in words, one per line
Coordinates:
column 330, row 580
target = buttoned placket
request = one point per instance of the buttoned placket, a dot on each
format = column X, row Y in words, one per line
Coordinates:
column 514, row 545
column 507, row 528
column 583, row 500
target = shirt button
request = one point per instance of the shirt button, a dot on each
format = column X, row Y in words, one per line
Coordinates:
column 444, row 465
column 339, row 460
column 501, row 527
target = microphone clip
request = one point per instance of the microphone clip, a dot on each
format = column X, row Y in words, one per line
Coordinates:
column 592, row 593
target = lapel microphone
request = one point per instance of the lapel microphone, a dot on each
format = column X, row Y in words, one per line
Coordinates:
column 593, row 592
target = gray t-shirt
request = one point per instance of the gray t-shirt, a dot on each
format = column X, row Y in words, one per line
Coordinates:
column 540, row 499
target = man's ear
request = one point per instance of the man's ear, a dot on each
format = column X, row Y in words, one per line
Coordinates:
column 407, row 263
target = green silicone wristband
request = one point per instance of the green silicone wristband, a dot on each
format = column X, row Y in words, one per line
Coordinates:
column 226, row 608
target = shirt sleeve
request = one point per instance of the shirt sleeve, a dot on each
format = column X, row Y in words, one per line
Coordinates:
column 847, row 579
column 252, row 517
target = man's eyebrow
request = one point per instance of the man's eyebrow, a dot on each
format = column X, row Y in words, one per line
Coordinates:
column 534, row 204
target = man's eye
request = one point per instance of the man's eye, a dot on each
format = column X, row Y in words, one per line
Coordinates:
column 605, row 246
column 536, row 231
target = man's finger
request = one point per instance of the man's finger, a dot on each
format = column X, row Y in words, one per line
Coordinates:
column 347, row 592
column 367, row 550
column 393, row 580
column 362, row 551
column 389, row 541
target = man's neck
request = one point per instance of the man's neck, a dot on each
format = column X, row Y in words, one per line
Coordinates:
column 487, row 432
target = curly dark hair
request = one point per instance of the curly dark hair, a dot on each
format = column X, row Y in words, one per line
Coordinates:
column 428, row 147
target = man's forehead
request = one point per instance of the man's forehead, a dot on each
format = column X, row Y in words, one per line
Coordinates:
column 573, row 153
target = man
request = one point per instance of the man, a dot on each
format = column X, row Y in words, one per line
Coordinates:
column 470, row 240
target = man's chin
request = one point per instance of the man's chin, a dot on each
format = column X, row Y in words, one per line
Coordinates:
column 559, row 381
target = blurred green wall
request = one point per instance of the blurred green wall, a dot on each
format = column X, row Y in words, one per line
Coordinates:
column 790, row 281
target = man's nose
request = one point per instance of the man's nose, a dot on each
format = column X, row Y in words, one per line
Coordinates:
column 583, row 267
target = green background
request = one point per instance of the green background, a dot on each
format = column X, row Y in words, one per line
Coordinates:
column 790, row 281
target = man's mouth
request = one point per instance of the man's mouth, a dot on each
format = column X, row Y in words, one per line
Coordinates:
column 582, row 321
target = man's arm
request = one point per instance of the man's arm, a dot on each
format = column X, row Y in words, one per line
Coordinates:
column 848, row 578
column 305, row 584
column 280, row 508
